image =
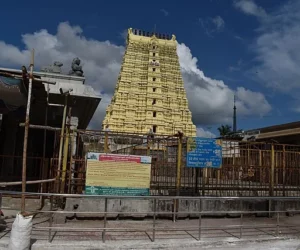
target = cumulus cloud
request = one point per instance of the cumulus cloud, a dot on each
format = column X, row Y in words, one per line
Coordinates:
column 277, row 49
column 210, row 100
column 250, row 7
column 276, row 45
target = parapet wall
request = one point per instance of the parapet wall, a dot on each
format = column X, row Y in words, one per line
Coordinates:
column 187, row 208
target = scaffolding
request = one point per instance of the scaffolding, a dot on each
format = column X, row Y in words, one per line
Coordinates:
column 27, row 77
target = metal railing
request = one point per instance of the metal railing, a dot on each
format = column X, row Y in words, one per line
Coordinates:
column 155, row 213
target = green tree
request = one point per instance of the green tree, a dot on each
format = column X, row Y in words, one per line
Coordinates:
column 224, row 130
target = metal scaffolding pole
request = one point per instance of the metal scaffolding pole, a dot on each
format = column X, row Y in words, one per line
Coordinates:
column 62, row 133
column 24, row 166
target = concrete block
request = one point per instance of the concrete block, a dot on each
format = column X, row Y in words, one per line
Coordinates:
column 163, row 206
column 82, row 206
column 288, row 206
column 59, row 218
column 15, row 203
column 213, row 205
column 260, row 205
column 134, row 206
column 188, row 208
column 128, row 207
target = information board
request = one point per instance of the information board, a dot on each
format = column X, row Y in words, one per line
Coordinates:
column 204, row 153
column 114, row 174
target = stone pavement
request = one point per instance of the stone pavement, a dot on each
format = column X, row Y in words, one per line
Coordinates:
column 87, row 236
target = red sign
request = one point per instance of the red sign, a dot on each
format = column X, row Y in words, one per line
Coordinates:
column 112, row 157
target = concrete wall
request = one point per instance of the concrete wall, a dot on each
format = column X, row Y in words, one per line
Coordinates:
column 12, row 203
column 127, row 208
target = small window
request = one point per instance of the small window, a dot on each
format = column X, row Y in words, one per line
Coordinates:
column 154, row 113
column 154, row 101
column 154, row 69
column 154, row 128
column 153, row 54
column 154, row 89
column 154, row 47
column 154, row 79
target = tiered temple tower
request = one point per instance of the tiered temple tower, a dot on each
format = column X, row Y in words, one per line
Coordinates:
column 150, row 94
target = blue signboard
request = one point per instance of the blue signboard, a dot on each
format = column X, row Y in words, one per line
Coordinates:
column 204, row 153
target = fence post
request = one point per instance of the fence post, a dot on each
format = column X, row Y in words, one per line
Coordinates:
column 260, row 167
column 154, row 220
column 271, row 191
column 105, row 220
column 204, row 179
column 50, row 219
column 178, row 175
column 65, row 160
column 241, row 219
column 197, row 181
column 233, row 168
column 106, row 142
column 61, row 141
column 71, row 170
column 272, row 171
column 148, row 147
column 179, row 154
column 277, row 225
column 200, row 219
column 283, row 166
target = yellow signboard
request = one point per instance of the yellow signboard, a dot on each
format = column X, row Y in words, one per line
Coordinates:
column 110, row 174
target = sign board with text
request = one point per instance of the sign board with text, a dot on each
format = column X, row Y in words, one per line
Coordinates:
column 114, row 174
column 204, row 153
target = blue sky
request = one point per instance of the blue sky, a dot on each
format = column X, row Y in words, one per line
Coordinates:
column 246, row 47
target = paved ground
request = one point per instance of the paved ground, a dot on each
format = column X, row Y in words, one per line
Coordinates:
column 257, row 233
column 293, row 244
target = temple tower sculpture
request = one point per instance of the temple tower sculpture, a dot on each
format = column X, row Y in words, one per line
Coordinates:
column 150, row 94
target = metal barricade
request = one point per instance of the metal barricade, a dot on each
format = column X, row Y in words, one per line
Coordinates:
column 200, row 213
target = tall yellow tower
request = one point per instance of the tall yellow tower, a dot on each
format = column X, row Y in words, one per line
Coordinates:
column 150, row 94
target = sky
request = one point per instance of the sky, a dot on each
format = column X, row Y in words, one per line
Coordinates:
column 247, row 48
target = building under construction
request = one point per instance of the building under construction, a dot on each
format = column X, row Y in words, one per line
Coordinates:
column 52, row 93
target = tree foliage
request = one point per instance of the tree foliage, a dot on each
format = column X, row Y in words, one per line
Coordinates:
column 224, row 130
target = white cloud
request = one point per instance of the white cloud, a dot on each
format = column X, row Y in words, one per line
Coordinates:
column 165, row 12
column 219, row 22
column 205, row 133
column 238, row 37
column 250, row 7
column 210, row 100
column 236, row 67
column 212, row 25
column 277, row 49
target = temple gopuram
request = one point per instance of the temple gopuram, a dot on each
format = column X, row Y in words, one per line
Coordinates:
column 150, row 94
